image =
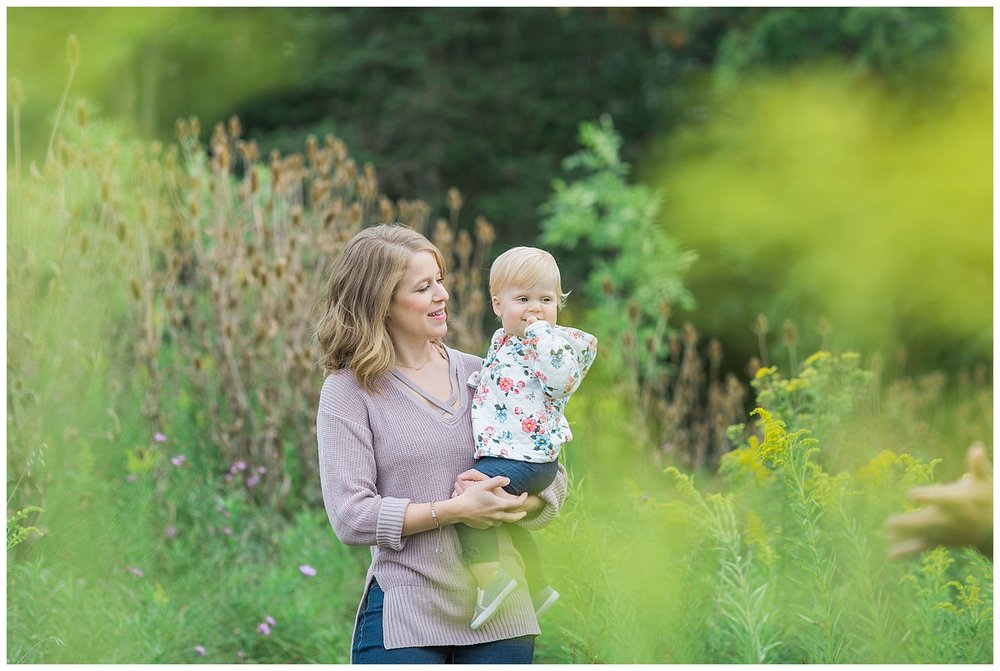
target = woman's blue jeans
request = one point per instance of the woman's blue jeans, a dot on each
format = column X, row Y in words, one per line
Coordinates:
column 369, row 646
column 480, row 545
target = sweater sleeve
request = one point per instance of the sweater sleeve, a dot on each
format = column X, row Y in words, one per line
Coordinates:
column 554, row 495
column 358, row 513
column 564, row 355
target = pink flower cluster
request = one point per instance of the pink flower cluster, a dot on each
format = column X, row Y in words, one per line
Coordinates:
column 265, row 626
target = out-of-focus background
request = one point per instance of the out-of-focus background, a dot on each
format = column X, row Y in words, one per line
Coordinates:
column 778, row 222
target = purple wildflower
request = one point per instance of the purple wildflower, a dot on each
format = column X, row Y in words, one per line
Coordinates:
column 238, row 466
column 136, row 571
column 252, row 482
column 178, row 460
column 130, row 477
column 170, row 532
column 200, row 650
column 261, row 470
column 307, row 570
column 270, row 620
column 159, row 437
column 263, row 628
column 227, row 531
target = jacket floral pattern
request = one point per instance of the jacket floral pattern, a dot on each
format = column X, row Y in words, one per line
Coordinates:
column 523, row 388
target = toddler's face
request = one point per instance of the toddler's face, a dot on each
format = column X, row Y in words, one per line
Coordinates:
column 518, row 307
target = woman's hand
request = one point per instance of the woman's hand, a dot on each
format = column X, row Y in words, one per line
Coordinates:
column 532, row 504
column 955, row 514
column 483, row 503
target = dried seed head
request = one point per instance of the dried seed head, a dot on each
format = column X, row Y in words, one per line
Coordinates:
column 312, row 149
column 234, row 127
column 73, row 54
column 665, row 309
column 195, row 127
column 385, row 209
column 485, row 232
column 296, row 215
column 690, row 335
column 15, row 96
column 464, row 246
column 454, row 200
column 443, row 237
column 753, row 366
column 609, row 289
column 254, row 181
column 674, row 342
column 715, row 351
column 825, row 329
column 81, row 115
column 155, row 147
column 182, row 129
column 633, row 312
column 791, row 334
column 760, row 325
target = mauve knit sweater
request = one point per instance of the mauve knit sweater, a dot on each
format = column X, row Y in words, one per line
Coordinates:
column 379, row 452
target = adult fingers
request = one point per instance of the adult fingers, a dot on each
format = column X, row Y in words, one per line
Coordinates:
column 950, row 493
column 907, row 548
column 494, row 482
column 979, row 462
column 472, row 475
column 923, row 521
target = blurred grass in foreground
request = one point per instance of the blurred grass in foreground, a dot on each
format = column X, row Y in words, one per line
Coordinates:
column 815, row 193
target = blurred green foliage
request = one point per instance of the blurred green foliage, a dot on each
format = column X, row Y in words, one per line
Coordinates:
column 818, row 193
column 144, row 556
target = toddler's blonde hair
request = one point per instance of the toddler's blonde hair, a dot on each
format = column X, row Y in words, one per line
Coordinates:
column 525, row 267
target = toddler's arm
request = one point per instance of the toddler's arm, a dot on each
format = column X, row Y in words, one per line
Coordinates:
column 564, row 355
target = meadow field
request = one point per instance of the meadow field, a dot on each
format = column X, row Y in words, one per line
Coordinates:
column 161, row 391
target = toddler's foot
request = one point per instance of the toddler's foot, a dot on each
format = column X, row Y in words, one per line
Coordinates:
column 543, row 599
column 489, row 598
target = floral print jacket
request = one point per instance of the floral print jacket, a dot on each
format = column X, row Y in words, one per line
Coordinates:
column 523, row 388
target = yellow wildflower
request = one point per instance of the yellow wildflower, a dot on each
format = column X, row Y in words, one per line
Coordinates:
column 818, row 356
column 761, row 372
column 775, row 444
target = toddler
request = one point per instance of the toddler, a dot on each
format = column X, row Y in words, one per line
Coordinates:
column 531, row 369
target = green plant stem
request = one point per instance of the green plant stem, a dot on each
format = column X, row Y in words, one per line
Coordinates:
column 62, row 103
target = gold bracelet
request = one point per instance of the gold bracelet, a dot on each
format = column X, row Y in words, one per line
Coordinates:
column 434, row 516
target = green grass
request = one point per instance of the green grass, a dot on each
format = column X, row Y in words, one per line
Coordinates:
column 653, row 566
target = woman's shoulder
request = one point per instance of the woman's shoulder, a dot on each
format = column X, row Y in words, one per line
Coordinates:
column 466, row 361
column 342, row 394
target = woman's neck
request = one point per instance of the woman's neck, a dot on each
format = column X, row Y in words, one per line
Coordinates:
column 415, row 356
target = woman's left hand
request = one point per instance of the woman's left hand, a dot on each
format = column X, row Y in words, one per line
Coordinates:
column 531, row 505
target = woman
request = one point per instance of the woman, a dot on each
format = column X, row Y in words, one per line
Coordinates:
column 394, row 433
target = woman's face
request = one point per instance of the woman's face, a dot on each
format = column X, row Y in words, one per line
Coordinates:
column 418, row 310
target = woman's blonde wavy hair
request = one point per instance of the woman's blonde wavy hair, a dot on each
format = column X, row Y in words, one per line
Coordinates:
column 363, row 282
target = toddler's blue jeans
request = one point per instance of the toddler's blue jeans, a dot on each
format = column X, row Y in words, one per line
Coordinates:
column 480, row 545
